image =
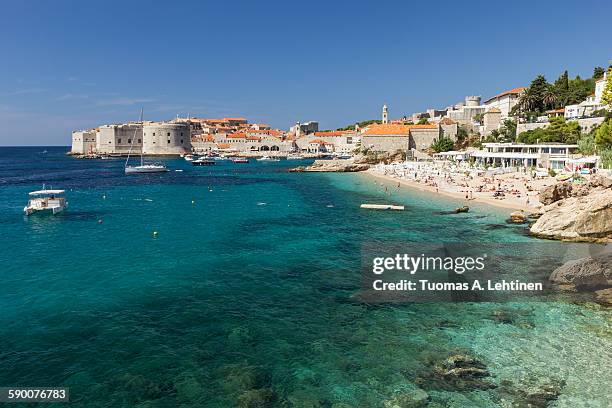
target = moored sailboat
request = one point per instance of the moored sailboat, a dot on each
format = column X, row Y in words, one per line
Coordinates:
column 144, row 167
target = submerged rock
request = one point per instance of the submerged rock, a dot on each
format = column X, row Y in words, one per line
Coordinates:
column 531, row 396
column 458, row 372
column 413, row 399
column 585, row 274
column 604, row 296
column 259, row 398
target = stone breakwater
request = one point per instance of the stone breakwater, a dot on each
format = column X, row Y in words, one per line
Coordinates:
column 576, row 213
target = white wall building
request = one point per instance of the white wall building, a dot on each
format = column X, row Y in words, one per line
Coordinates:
column 118, row 139
column 504, row 101
column 84, row 141
column 546, row 155
column 599, row 88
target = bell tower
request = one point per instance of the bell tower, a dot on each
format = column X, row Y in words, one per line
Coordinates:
column 385, row 114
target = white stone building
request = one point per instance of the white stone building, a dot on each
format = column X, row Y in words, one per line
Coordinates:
column 504, row 101
column 117, row 139
column 465, row 112
column 546, row 155
column 84, row 141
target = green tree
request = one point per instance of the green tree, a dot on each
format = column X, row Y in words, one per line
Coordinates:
column 462, row 133
column 423, row 121
column 558, row 131
column 603, row 135
column 562, row 89
column 598, row 72
column 443, row 144
column 586, row 144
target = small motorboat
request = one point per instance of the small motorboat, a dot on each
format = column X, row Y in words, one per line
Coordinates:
column 240, row 160
column 46, row 201
column 294, row 156
column 463, row 209
column 189, row 157
column 203, row 161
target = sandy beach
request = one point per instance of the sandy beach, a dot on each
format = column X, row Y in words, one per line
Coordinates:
column 520, row 191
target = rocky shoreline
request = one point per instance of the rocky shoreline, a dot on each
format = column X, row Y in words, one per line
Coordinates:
column 592, row 274
column 580, row 213
column 337, row 166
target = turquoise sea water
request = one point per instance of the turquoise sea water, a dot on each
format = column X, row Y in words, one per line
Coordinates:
column 249, row 294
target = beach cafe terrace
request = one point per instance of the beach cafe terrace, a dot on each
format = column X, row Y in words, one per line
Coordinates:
column 547, row 155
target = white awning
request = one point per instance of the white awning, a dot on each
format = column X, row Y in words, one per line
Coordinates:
column 47, row 192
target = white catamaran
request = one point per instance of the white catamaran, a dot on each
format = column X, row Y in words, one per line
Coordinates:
column 144, row 167
column 46, row 201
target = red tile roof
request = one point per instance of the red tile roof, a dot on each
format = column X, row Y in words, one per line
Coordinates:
column 383, row 130
column 514, row 91
column 331, row 134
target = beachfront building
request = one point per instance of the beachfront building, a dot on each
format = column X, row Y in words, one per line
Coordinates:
column 393, row 137
column 84, row 141
column 554, row 156
column 504, row 101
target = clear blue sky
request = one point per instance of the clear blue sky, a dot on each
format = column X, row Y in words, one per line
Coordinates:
column 75, row 64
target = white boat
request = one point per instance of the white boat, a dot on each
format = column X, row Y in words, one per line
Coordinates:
column 144, row 167
column 268, row 158
column 188, row 157
column 294, row 156
column 46, row 200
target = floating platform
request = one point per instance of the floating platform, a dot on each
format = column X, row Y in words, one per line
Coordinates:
column 383, row 207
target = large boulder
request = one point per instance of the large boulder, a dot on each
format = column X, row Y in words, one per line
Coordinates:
column 585, row 218
column 556, row 192
column 600, row 181
column 586, row 273
column 336, row 166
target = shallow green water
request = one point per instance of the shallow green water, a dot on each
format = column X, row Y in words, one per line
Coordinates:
column 249, row 294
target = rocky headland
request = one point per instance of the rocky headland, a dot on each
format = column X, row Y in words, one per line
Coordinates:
column 340, row 166
column 576, row 212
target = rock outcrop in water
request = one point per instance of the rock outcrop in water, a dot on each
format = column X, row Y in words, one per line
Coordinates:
column 582, row 213
column 342, row 166
column 585, row 274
